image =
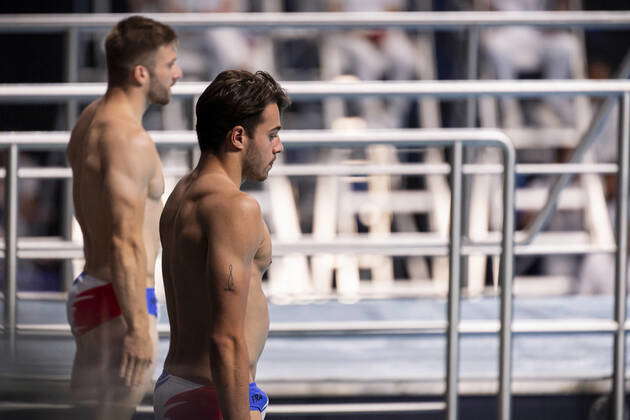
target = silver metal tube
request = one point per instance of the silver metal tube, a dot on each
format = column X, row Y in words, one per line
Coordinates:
column 507, row 273
column 619, row 366
column 398, row 327
column 452, row 343
column 72, row 110
column 595, row 128
column 417, row 20
column 58, row 140
column 394, row 246
column 451, row 89
column 72, row 72
column 10, row 245
column 469, row 153
column 363, row 169
column 472, row 55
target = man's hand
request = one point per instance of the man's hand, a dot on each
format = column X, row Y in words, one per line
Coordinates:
column 137, row 357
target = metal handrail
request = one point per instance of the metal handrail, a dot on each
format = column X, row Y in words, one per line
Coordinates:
column 387, row 327
column 443, row 137
column 281, row 169
column 439, row 21
column 451, row 89
column 326, row 20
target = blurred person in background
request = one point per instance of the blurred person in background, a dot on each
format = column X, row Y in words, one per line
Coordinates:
column 514, row 50
column 117, row 189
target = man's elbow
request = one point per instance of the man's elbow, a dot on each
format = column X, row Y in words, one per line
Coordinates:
column 224, row 344
column 127, row 244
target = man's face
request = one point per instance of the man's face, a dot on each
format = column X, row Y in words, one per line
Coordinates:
column 164, row 74
column 264, row 145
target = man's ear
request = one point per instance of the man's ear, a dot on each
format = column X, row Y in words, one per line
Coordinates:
column 238, row 137
column 140, row 75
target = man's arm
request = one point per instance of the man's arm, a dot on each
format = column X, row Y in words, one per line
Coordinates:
column 234, row 235
column 127, row 172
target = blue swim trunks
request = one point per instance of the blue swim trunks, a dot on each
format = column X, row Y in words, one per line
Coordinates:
column 258, row 400
column 152, row 302
column 177, row 398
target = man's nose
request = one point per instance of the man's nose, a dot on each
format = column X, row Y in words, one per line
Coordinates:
column 178, row 73
column 279, row 146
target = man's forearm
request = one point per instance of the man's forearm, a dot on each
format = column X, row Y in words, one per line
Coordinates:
column 129, row 281
column 229, row 362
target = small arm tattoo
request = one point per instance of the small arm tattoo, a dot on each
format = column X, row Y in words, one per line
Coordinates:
column 229, row 286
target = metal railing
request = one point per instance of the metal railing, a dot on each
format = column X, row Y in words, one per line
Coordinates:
column 456, row 139
column 452, row 21
column 398, row 137
column 472, row 21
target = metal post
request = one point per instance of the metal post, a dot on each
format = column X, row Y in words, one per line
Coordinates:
column 619, row 373
column 72, row 106
column 472, row 74
column 452, row 359
column 507, row 273
column 10, row 247
column 469, row 153
column 72, row 72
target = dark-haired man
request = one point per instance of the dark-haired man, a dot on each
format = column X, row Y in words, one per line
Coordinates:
column 216, row 248
column 117, row 187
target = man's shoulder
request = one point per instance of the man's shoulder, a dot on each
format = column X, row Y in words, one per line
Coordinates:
column 231, row 203
column 123, row 133
column 229, row 209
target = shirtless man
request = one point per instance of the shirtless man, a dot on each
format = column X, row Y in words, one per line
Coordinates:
column 216, row 248
column 117, row 186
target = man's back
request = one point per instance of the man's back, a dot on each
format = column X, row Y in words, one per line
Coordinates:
column 104, row 142
column 193, row 227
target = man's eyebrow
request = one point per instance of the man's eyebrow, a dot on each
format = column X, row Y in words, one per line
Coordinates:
column 278, row 128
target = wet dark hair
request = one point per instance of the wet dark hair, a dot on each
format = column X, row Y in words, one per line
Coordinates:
column 235, row 97
column 134, row 41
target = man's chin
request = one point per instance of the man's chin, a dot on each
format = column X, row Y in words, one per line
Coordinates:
column 161, row 101
column 258, row 178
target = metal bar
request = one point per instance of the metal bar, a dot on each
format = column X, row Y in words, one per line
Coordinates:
column 72, row 72
column 595, row 128
column 506, row 276
column 357, row 408
column 293, row 138
column 412, row 20
column 358, row 247
column 72, row 109
column 451, row 89
column 401, row 327
column 621, row 269
column 368, row 169
column 469, row 154
column 452, row 352
column 472, row 64
column 10, row 245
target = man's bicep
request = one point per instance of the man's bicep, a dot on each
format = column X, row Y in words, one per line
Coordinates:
column 232, row 244
column 125, row 182
column 125, row 198
column 228, row 273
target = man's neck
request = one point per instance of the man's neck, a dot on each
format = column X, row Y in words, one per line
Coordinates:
column 132, row 100
column 226, row 163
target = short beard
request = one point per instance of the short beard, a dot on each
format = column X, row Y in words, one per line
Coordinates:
column 251, row 161
column 158, row 94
